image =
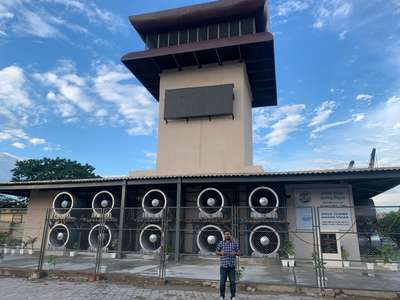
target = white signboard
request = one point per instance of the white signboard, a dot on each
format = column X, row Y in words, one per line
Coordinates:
column 334, row 219
column 333, row 197
column 334, row 211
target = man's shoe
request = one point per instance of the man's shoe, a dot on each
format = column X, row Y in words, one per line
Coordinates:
column 220, row 298
column 234, row 298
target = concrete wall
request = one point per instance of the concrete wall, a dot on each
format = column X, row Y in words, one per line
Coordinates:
column 12, row 222
column 204, row 146
column 35, row 218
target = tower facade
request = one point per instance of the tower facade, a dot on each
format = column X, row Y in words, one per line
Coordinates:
column 207, row 69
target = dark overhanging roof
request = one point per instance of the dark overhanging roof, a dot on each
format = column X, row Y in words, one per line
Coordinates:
column 366, row 182
column 195, row 15
column 256, row 51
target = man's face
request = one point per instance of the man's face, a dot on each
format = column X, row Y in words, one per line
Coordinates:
column 227, row 235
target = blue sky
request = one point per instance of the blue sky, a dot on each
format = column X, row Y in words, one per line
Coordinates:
column 64, row 92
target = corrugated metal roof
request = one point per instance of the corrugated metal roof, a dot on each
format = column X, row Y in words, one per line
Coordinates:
column 210, row 175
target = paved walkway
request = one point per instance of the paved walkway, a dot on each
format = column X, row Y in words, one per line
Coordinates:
column 22, row 289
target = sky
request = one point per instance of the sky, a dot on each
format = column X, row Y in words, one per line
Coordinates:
column 64, row 92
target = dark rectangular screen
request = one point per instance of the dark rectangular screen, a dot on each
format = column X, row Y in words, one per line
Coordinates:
column 199, row 102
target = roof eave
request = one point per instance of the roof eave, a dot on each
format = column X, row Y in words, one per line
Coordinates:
column 195, row 15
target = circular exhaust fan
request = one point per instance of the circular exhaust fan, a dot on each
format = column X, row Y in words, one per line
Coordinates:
column 208, row 238
column 63, row 204
column 210, row 201
column 103, row 202
column 154, row 202
column 263, row 200
column 97, row 239
column 264, row 240
column 151, row 237
column 59, row 236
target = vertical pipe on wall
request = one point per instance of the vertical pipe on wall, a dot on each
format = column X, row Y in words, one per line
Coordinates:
column 178, row 218
column 121, row 219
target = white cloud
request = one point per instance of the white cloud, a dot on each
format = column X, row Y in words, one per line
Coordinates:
column 322, row 113
column 393, row 100
column 36, row 24
column 364, row 97
column 13, row 134
column 33, row 17
column 16, row 106
column 343, row 35
column 358, row 117
column 101, row 113
column 18, row 136
column 150, row 154
column 318, row 24
column 328, row 126
column 65, row 110
column 331, row 11
column 291, row 6
column 396, row 126
column 70, row 90
column 340, row 91
column 396, row 5
column 12, row 88
column 18, row 145
column 92, row 11
column 52, row 148
column 106, row 96
column 37, row 141
column 273, row 128
column 356, row 142
column 133, row 102
column 261, row 119
column 289, row 119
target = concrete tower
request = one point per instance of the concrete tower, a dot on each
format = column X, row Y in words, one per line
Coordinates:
column 208, row 65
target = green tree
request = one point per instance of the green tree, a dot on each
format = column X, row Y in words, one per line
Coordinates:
column 7, row 201
column 389, row 226
column 51, row 169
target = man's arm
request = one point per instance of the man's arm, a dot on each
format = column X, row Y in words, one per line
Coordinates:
column 219, row 250
column 235, row 251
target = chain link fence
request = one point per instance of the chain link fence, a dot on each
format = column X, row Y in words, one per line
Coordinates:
column 341, row 247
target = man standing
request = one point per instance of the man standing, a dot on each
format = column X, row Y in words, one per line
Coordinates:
column 227, row 250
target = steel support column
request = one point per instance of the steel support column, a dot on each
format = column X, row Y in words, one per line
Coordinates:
column 121, row 219
column 178, row 218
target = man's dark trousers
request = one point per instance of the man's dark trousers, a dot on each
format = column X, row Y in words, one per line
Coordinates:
column 225, row 273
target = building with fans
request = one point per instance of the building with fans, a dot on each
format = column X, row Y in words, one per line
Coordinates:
column 207, row 66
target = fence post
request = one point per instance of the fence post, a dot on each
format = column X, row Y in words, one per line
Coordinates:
column 322, row 265
column 44, row 241
column 99, row 249
column 163, row 253
column 178, row 218
column 121, row 219
column 316, row 257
